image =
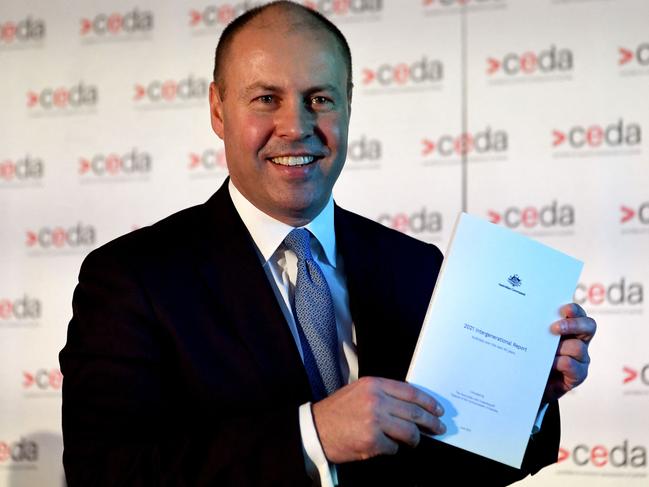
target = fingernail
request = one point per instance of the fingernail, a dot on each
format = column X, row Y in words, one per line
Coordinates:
column 439, row 410
column 442, row 428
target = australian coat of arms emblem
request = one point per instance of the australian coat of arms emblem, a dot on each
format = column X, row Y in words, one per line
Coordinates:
column 514, row 280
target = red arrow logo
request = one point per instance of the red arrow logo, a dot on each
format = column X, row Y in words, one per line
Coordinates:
column 195, row 17
column 558, row 138
column 492, row 65
column 428, row 2
column 625, row 56
column 194, row 160
column 32, row 238
column 563, row 455
column 630, row 374
column 368, row 76
column 139, row 92
column 429, row 146
column 85, row 26
column 32, row 98
column 627, row 213
column 84, row 166
column 29, row 379
column 493, row 216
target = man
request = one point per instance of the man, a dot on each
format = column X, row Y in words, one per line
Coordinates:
column 189, row 360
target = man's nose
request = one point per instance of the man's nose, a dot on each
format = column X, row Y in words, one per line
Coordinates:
column 294, row 120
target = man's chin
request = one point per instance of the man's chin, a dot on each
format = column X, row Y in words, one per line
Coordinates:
column 298, row 210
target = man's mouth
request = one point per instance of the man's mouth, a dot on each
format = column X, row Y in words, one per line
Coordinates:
column 293, row 160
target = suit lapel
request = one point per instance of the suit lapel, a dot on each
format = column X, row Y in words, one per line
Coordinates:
column 229, row 263
column 368, row 289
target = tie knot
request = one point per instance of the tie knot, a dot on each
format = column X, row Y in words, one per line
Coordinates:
column 299, row 242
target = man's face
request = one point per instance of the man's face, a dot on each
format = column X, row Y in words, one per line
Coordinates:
column 283, row 118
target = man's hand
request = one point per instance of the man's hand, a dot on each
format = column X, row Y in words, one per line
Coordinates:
column 372, row 416
column 570, row 366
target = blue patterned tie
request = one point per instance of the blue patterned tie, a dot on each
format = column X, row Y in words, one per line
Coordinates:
column 314, row 312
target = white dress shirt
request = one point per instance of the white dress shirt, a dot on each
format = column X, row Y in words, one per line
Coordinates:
column 280, row 266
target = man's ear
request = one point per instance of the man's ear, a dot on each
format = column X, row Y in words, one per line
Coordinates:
column 216, row 111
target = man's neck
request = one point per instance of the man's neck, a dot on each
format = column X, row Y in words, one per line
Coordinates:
column 300, row 218
column 268, row 232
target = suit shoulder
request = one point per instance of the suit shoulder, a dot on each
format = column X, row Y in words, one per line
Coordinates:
column 166, row 236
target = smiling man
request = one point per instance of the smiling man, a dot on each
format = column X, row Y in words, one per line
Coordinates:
column 282, row 107
column 262, row 338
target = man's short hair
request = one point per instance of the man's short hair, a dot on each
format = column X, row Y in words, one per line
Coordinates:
column 227, row 36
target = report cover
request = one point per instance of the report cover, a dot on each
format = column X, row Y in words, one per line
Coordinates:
column 485, row 349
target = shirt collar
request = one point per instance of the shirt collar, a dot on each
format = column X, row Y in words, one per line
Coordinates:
column 268, row 233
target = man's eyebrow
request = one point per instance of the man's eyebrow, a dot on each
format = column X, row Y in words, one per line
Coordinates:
column 325, row 87
column 260, row 86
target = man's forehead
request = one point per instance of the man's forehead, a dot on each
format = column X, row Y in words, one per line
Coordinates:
column 280, row 23
column 264, row 77
column 257, row 45
column 281, row 41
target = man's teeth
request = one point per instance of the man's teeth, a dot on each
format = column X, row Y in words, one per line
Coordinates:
column 293, row 160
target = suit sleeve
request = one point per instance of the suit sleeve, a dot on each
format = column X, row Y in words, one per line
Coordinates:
column 121, row 425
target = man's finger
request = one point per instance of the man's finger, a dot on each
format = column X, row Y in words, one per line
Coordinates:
column 411, row 394
column 582, row 327
column 572, row 310
column 416, row 415
column 575, row 348
column 572, row 370
column 402, row 431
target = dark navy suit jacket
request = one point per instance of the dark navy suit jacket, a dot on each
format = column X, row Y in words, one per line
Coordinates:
column 180, row 369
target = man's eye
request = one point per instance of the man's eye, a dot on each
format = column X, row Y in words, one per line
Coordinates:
column 320, row 100
column 266, row 99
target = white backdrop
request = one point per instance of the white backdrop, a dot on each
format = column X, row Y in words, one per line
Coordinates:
column 105, row 128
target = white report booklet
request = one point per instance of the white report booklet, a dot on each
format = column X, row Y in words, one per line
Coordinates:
column 485, row 349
